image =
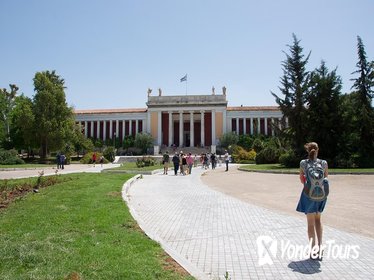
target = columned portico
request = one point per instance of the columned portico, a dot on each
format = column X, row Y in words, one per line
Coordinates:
column 184, row 121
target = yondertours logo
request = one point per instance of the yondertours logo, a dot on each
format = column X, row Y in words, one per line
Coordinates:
column 268, row 248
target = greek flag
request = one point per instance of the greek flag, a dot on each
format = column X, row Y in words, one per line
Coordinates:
column 184, row 79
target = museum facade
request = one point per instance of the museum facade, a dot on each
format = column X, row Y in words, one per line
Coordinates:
column 183, row 121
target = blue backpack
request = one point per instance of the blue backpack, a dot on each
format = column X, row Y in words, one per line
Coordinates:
column 316, row 186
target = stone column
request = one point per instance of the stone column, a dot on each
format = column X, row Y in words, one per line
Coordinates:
column 272, row 127
column 130, row 127
column 170, row 128
column 123, row 129
column 213, row 127
column 202, row 129
column 117, row 128
column 237, row 126
column 244, row 126
column 258, row 125
column 104, row 130
column 86, row 129
column 159, row 128
column 92, row 129
column 98, row 129
column 266, row 125
column 111, row 129
column 136, row 127
column 148, row 129
column 251, row 125
column 192, row 130
column 180, row 128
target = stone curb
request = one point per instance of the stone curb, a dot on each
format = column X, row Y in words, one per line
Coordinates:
column 195, row 272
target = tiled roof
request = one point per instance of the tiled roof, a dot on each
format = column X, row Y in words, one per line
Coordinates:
column 253, row 108
column 111, row 111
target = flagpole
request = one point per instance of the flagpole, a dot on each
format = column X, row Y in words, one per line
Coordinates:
column 186, row 84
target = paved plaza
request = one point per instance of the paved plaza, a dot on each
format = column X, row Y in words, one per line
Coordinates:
column 211, row 233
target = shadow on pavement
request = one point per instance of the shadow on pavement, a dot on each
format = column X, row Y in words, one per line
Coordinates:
column 307, row 266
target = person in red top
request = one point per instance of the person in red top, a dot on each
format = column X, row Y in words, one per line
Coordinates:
column 94, row 159
column 190, row 162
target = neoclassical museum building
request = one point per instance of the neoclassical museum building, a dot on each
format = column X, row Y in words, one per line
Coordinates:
column 183, row 121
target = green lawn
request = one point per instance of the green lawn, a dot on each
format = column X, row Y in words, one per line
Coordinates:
column 280, row 169
column 78, row 229
column 132, row 166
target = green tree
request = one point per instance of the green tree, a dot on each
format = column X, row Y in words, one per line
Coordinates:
column 54, row 119
column 348, row 143
column 7, row 101
column 143, row 141
column 363, row 85
column 23, row 123
column 80, row 142
column 228, row 139
column 323, row 116
column 294, row 87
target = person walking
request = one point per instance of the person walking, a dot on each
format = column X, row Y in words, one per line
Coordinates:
column 58, row 160
column 62, row 160
column 227, row 159
column 190, row 162
column 101, row 160
column 175, row 161
column 313, row 209
column 165, row 160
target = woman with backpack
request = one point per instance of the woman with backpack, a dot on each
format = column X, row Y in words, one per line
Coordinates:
column 313, row 176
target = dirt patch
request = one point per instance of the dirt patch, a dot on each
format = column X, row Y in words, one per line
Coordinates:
column 169, row 264
column 114, row 194
column 73, row 276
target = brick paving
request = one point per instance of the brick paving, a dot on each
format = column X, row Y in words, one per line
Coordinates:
column 210, row 233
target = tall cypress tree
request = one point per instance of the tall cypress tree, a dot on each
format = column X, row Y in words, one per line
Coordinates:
column 294, row 87
column 54, row 119
column 363, row 86
column 323, row 117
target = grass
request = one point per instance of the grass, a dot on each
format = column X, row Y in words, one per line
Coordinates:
column 132, row 166
column 78, row 229
column 279, row 168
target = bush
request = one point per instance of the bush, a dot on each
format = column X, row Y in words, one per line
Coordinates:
column 10, row 157
column 143, row 141
column 269, row 154
column 240, row 155
column 109, row 153
column 258, row 145
column 145, row 161
column 289, row 159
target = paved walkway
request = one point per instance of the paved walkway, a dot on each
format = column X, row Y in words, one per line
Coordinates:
column 34, row 172
column 210, row 233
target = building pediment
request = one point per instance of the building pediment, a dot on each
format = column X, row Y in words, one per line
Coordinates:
column 186, row 101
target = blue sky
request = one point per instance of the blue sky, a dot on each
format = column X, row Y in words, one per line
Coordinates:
column 111, row 52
